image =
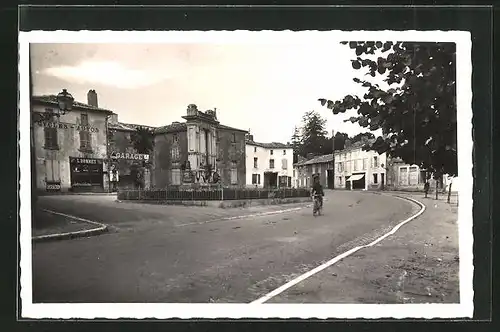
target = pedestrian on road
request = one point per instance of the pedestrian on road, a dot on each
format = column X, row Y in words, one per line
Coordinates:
column 426, row 188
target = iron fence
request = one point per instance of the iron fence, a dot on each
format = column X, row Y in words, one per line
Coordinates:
column 221, row 194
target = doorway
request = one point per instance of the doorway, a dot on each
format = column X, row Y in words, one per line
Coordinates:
column 330, row 179
column 270, row 179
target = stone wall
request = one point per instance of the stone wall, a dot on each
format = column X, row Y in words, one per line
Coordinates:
column 228, row 152
column 53, row 163
column 163, row 159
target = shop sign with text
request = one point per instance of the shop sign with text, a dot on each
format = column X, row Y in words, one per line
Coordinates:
column 62, row 125
column 129, row 156
column 53, row 186
column 90, row 161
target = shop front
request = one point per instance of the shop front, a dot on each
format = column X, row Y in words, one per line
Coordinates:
column 86, row 174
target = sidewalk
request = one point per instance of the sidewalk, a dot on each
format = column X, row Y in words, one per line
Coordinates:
column 47, row 225
column 417, row 264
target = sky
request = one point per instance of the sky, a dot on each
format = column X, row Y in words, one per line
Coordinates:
column 262, row 88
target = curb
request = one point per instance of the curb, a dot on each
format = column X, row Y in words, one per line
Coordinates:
column 102, row 228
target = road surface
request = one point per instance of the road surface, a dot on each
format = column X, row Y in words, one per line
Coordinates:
column 173, row 254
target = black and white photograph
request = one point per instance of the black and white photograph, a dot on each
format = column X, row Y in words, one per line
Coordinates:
column 246, row 174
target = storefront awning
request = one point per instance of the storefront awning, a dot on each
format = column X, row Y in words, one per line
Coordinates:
column 355, row 177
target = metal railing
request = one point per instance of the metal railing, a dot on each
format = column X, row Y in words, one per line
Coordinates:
column 220, row 194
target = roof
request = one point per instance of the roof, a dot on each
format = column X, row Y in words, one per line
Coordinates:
column 220, row 126
column 52, row 100
column 272, row 145
column 317, row 160
column 173, row 127
column 127, row 126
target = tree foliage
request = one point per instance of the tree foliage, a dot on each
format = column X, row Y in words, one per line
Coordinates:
column 313, row 136
column 417, row 113
column 142, row 140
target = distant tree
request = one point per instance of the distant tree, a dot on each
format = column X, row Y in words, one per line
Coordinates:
column 313, row 134
column 359, row 137
column 339, row 142
column 142, row 140
column 417, row 113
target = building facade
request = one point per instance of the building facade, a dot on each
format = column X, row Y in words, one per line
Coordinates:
column 359, row 169
column 268, row 165
column 319, row 165
column 199, row 151
column 129, row 168
column 70, row 151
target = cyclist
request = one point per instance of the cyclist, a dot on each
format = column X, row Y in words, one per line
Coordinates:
column 317, row 188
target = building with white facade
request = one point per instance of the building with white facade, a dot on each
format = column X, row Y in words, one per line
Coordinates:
column 268, row 165
column 358, row 169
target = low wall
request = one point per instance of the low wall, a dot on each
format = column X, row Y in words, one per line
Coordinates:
column 235, row 203
column 223, row 197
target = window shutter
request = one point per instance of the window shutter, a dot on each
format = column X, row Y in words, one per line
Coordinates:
column 49, row 174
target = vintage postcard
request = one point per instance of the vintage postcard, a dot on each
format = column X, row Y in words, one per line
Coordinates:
column 240, row 174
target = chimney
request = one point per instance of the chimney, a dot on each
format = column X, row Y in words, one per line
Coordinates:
column 92, row 98
column 250, row 137
column 114, row 118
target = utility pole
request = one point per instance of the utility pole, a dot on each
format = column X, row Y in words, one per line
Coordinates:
column 333, row 158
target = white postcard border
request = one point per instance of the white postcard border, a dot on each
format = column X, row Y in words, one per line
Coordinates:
column 175, row 310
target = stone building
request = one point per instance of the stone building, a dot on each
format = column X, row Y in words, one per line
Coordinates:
column 129, row 168
column 70, row 151
column 199, row 151
column 268, row 164
column 319, row 165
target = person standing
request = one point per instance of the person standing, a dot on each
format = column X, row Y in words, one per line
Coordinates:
column 426, row 188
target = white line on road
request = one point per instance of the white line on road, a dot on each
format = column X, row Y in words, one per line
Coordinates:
column 334, row 260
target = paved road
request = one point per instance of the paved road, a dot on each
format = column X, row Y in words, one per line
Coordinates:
column 169, row 254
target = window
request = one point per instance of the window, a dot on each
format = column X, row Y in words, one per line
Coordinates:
column 355, row 165
column 176, row 176
column 271, row 163
column 284, row 152
column 255, row 149
column 375, row 161
column 403, row 176
column 52, row 168
column 272, row 152
column 233, row 138
column 375, row 178
column 255, row 178
column 85, row 140
column 255, row 162
column 413, row 176
column 84, row 119
column 234, row 173
column 51, row 138
column 174, row 153
column 175, row 138
column 284, row 163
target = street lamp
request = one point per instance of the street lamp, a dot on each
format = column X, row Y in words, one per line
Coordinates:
column 65, row 101
column 65, row 104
